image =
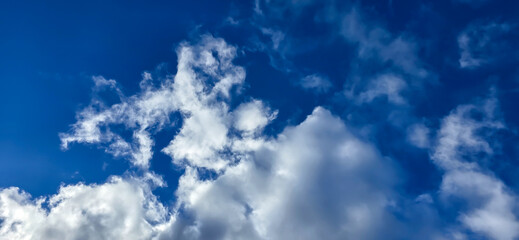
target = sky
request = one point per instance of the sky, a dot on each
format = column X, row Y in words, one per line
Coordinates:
column 260, row 119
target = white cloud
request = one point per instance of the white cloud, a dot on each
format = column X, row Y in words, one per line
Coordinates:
column 377, row 43
column 276, row 36
column 458, row 134
column 189, row 92
column 377, row 49
column 387, row 85
column 316, row 82
column 418, row 135
column 253, row 116
column 385, row 65
column 118, row 209
column 466, row 59
column 490, row 205
column 493, row 214
column 315, row 181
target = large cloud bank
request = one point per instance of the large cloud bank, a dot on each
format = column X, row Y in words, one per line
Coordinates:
column 317, row 179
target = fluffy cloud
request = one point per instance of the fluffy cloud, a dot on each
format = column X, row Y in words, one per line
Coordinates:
column 253, row 116
column 204, row 79
column 315, row 181
column 491, row 206
column 119, row 209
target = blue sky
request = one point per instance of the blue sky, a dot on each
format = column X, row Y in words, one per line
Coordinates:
column 259, row 120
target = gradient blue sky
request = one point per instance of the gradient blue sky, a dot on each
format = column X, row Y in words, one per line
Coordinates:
column 431, row 86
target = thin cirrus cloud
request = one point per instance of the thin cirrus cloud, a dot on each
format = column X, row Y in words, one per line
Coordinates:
column 483, row 43
column 394, row 56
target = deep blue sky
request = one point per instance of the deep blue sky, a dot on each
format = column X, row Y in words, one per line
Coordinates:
column 49, row 51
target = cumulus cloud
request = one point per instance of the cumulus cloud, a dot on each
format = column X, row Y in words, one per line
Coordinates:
column 200, row 92
column 491, row 206
column 122, row 208
column 315, row 181
column 205, row 76
column 253, row 116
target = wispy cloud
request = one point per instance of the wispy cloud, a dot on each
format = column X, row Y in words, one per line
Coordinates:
column 490, row 205
column 316, row 83
column 481, row 44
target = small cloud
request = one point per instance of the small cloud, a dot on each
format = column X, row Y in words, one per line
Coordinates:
column 418, row 135
column 424, row 198
column 482, row 44
column 375, row 42
column 253, row 116
column 316, row 83
column 101, row 82
column 276, row 36
column 387, row 85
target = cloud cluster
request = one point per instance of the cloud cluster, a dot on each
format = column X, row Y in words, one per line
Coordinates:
column 313, row 180
column 377, row 43
column 379, row 54
column 317, row 179
column 387, row 65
